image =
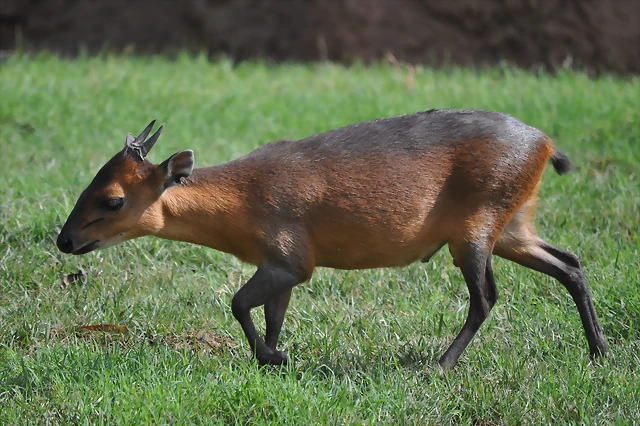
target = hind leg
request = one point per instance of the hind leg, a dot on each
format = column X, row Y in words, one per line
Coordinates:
column 520, row 244
column 474, row 261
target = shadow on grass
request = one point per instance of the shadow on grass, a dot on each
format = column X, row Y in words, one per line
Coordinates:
column 422, row 360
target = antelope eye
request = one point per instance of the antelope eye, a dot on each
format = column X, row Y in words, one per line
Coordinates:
column 113, row 204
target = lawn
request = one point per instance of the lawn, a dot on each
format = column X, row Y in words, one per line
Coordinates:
column 363, row 344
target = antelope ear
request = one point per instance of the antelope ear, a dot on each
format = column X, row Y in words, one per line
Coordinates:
column 177, row 167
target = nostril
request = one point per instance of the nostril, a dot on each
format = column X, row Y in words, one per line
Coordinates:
column 65, row 245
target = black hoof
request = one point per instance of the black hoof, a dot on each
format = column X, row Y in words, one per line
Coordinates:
column 273, row 357
column 446, row 365
column 598, row 353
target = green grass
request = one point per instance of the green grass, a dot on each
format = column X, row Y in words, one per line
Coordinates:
column 364, row 344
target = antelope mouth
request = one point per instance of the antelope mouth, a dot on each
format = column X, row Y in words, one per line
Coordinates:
column 87, row 248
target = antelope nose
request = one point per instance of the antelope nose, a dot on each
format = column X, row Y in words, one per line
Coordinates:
column 64, row 243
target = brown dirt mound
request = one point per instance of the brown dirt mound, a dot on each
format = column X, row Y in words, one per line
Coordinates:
column 596, row 34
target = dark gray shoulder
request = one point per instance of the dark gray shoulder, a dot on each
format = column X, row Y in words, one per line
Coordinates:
column 270, row 156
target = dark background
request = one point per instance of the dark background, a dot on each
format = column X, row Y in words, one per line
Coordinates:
column 599, row 35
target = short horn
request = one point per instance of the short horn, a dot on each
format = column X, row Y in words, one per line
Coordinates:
column 142, row 136
column 148, row 144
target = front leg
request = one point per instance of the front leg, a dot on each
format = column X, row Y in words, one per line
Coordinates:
column 274, row 311
column 270, row 282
